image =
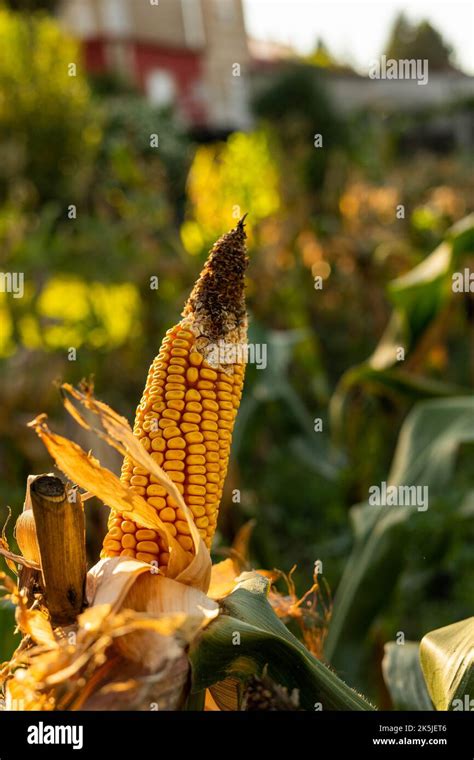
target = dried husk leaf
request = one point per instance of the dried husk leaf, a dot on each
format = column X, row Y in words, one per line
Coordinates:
column 69, row 675
column 110, row 579
column 61, row 672
column 35, row 623
column 89, row 474
column 21, row 694
column 120, row 583
column 12, row 559
column 25, row 528
column 128, row 688
column 149, row 641
column 240, row 544
column 157, row 594
column 223, row 579
column 25, row 534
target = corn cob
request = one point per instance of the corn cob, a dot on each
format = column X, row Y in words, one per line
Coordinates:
column 187, row 411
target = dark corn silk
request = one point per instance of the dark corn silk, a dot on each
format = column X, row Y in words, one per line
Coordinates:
column 188, row 408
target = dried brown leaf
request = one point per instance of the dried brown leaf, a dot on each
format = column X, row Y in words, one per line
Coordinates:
column 35, row 623
column 223, row 577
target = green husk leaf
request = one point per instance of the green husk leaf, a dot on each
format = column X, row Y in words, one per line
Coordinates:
column 248, row 636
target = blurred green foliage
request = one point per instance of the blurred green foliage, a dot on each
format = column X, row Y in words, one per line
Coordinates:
column 44, row 104
column 300, row 112
column 9, row 640
column 325, row 216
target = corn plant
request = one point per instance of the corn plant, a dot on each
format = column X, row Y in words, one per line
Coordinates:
column 157, row 615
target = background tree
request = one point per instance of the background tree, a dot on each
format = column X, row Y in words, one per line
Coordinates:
column 321, row 56
column 421, row 40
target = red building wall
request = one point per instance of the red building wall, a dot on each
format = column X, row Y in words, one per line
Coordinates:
column 94, row 56
column 185, row 68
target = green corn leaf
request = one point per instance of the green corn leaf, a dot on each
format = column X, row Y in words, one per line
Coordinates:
column 447, row 662
column 418, row 298
column 248, row 637
column 425, row 455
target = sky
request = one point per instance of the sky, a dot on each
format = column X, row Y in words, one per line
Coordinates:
column 355, row 31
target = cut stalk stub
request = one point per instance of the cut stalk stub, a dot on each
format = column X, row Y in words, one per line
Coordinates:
column 60, row 534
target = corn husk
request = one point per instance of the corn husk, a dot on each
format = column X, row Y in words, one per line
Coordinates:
column 128, row 650
column 123, row 583
column 25, row 532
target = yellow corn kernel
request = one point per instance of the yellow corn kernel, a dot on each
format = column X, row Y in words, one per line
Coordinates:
column 112, row 545
column 196, row 469
column 171, row 414
column 196, row 490
column 210, row 435
column 192, row 375
column 194, row 437
column 197, row 448
column 146, row 535
column 194, row 406
column 192, row 417
column 157, row 502
column 148, row 546
column 175, row 369
column 208, row 374
column 189, row 427
column 155, row 490
column 195, row 359
column 175, row 454
column 185, row 541
column 129, row 541
column 171, row 433
column 168, row 514
column 173, row 464
column 145, row 557
column 158, row 444
column 176, row 405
